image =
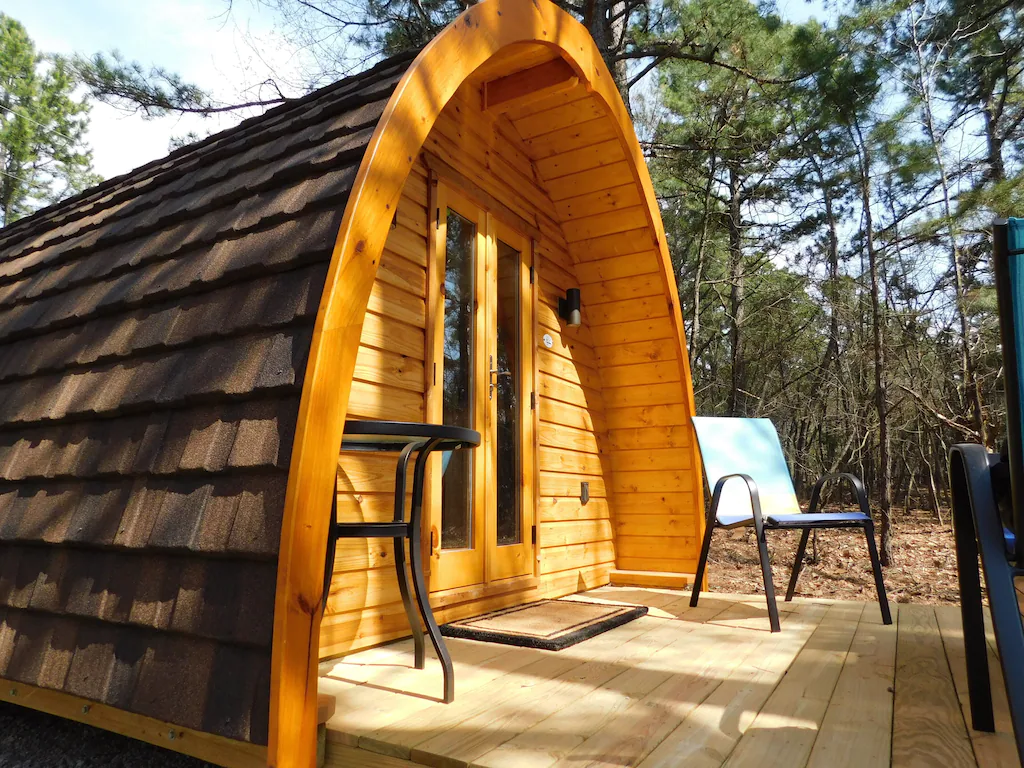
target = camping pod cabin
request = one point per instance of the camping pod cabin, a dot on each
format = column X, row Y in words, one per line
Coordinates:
column 180, row 348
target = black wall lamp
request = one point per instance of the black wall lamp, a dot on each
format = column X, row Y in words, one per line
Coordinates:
column 569, row 307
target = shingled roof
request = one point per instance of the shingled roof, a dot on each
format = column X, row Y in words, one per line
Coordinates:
column 153, row 340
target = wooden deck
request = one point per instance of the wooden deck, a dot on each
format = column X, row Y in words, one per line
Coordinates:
column 707, row 686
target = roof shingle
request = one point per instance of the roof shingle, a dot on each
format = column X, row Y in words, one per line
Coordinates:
column 154, row 333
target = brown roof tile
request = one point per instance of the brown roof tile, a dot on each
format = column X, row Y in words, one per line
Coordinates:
column 228, row 709
column 139, row 515
column 90, row 665
column 264, row 434
column 180, row 511
column 47, row 593
column 254, row 623
column 31, row 565
column 153, row 600
column 171, row 666
column 153, row 342
column 129, row 654
column 58, row 654
column 218, row 516
column 30, row 645
column 210, row 441
column 257, row 527
column 98, row 514
column 84, row 583
column 8, row 634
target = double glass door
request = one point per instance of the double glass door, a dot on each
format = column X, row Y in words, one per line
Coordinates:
column 482, row 376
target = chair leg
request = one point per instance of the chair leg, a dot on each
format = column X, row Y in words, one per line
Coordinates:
column 703, row 562
column 422, row 596
column 428, row 617
column 766, row 574
column 876, row 568
column 403, row 582
column 410, row 612
column 797, row 564
column 972, row 614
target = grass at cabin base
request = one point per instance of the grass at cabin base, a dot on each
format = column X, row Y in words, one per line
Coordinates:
column 923, row 568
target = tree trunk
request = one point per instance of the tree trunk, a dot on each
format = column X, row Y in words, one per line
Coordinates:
column 967, row 367
column 884, row 478
column 606, row 20
column 737, row 404
column 699, row 270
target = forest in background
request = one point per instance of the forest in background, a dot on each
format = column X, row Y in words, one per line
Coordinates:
column 827, row 189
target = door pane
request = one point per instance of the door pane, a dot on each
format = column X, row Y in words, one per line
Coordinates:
column 509, row 524
column 459, row 297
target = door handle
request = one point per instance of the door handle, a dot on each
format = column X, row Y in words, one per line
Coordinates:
column 494, row 374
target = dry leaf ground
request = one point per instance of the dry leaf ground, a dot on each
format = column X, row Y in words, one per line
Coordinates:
column 923, row 568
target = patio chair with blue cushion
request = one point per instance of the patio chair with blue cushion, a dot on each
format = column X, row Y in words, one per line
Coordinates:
column 988, row 510
column 751, row 486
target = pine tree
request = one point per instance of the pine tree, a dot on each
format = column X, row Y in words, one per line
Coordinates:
column 43, row 156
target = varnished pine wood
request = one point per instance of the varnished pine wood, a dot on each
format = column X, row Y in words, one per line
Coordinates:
column 529, row 85
column 433, row 83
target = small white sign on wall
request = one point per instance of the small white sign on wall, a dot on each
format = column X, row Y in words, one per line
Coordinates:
column 548, row 341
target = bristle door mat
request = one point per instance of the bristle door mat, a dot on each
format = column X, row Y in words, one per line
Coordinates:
column 549, row 625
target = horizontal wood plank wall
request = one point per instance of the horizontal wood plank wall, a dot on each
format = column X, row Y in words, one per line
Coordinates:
column 628, row 321
column 575, row 541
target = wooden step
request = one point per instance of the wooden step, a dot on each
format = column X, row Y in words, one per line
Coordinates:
column 663, row 579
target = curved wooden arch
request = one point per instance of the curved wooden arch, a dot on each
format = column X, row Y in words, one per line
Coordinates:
column 433, row 78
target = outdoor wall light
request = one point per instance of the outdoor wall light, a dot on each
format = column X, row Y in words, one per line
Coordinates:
column 569, row 307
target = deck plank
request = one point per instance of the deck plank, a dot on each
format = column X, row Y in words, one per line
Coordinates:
column 857, row 730
column 710, row 730
column 549, row 669
column 497, row 722
column 701, row 687
column 674, row 674
column 344, row 756
column 364, row 708
column 784, row 731
column 990, row 749
column 928, row 726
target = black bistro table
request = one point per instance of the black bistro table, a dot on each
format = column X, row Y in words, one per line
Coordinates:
column 406, row 439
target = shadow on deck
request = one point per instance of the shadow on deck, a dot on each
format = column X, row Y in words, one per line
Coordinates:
column 680, row 687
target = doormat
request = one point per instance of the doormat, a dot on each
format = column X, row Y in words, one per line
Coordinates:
column 549, row 625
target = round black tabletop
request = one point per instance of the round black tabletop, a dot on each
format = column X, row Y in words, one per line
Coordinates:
column 381, row 434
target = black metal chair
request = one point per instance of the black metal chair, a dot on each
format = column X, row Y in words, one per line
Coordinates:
column 406, row 439
column 748, row 452
column 988, row 510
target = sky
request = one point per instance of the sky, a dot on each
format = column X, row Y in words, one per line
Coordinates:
column 197, row 39
column 194, row 38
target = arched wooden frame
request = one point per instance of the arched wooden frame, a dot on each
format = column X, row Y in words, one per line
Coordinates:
column 432, row 79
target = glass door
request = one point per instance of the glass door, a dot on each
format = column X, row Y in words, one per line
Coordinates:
column 509, row 493
column 479, row 372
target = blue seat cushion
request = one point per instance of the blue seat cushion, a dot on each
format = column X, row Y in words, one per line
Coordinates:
column 819, row 518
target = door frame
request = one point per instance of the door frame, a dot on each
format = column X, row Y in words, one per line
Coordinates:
column 483, row 564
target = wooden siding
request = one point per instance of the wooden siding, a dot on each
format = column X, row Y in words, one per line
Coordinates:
column 608, row 391
column 628, row 312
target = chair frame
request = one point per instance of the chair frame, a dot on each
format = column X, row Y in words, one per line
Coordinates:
column 762, row 525
column 978, row 532
column 979, row 529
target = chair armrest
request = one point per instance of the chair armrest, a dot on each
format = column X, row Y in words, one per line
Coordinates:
column 858, row 489
column 755, row 498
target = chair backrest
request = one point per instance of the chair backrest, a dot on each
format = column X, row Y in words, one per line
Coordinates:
column 749, row 446
column 1008, row 266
